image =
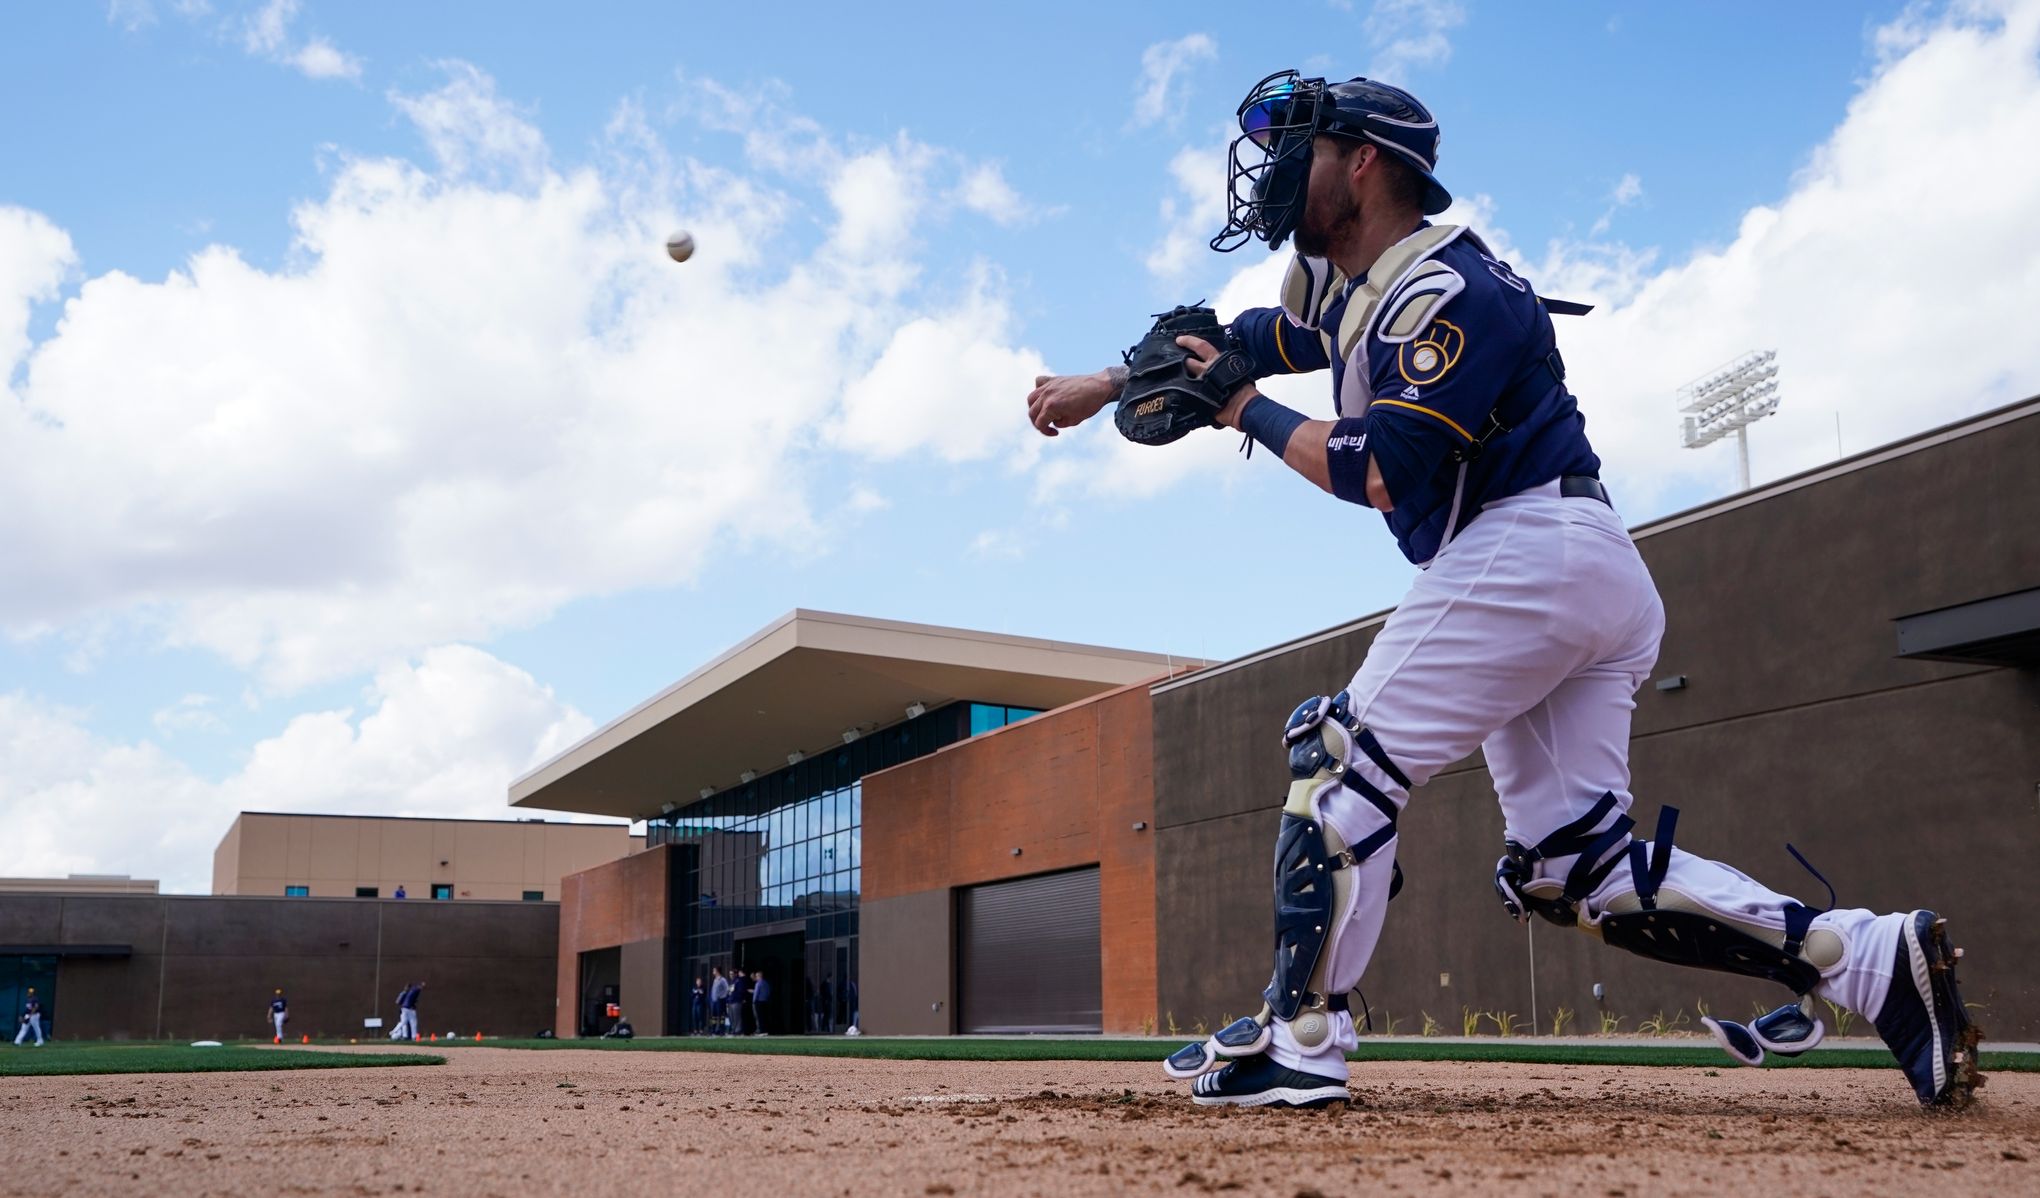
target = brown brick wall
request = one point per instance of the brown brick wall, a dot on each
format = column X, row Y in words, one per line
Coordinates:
column 617, row 903
column 1065, row 788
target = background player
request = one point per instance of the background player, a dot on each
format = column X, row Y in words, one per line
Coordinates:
column 31, row 1018
column 279, row 1014
column 1527, row 634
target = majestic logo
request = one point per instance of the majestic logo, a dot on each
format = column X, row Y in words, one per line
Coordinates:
column 1411, row 392
column 1426, row 359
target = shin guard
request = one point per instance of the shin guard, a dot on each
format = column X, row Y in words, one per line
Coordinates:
column 1314, row 887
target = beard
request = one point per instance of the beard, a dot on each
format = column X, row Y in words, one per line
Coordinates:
column 1326, row 221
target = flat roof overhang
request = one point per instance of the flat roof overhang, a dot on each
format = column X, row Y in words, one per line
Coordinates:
column 67, row 950
column 797, row 686
column 2003, row 630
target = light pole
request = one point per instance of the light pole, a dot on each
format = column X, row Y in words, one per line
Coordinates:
column 1728, row 400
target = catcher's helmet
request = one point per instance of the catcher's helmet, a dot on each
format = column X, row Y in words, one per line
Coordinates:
column 1271, row 156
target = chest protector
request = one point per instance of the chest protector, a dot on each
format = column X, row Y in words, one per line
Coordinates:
column 1403, row 290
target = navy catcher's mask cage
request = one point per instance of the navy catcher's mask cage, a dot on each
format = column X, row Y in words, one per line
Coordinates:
column 1268, row 164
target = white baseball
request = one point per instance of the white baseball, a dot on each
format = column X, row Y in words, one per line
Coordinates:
column 680, row 245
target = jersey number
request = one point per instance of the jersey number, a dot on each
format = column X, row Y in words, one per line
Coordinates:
column 1502, row 272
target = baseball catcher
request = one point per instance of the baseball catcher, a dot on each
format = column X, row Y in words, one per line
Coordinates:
column 1526, row 634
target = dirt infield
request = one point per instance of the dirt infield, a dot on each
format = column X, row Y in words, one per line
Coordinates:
column 510, row 1123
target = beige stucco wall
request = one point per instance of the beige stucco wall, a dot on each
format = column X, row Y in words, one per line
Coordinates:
column 482, row 859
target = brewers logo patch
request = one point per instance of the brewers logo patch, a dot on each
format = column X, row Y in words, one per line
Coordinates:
column 1426, row 359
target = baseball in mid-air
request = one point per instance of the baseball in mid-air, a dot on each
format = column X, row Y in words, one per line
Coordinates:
column 680, row 245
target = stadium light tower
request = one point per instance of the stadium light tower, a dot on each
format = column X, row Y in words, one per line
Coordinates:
column 1728, row 400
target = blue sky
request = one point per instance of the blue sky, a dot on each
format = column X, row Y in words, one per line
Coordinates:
column 360, row 449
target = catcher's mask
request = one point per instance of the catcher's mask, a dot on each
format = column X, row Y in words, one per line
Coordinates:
column 1268, row 171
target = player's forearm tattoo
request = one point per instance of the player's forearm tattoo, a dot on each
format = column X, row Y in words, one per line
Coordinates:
column 1116, row 375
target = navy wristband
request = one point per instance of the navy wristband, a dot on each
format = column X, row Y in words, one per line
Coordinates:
column 1270, row 423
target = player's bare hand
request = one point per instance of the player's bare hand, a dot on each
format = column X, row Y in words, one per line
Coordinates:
column 1061, row 401
column 1202, row 354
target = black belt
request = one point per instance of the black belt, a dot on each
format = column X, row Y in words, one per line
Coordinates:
column 1583, row 486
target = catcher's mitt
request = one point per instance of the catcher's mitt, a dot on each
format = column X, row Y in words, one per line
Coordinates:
column 1161, row 402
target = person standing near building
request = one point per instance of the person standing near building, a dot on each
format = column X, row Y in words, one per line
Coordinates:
column 400, row 891
column 761, row 993
column 743, row 1020
column 402, row 1027
column 697, row 1010
column 718, row 1001
column 279, row 1014
column 31, row 1018
column 409, row 1004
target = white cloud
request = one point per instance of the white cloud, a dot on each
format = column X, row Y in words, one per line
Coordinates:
column 35, row 257
column 1160, row 64
column 266, row 33
column 1192, row 212
column 470, row 395
column 1409, row 34
column 473, row 131
column 940, row 386
column 320, row 59
column 191, row 713
column 131, row 15
column 442, row 736
column 986, row 192
column 1627, row 191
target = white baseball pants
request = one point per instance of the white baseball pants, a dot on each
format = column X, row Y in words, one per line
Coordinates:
column 1528, row 637
column 31, row 1023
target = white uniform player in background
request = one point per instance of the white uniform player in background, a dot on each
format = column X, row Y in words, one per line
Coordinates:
column 279, row 1014
column 31, row 1018
column 1527, row 633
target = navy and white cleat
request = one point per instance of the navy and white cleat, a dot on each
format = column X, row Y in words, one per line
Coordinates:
column 1923, row 1020
column 1259, row 1081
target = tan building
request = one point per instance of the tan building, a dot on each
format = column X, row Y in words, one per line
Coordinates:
column 81, row 884
column 367, row 856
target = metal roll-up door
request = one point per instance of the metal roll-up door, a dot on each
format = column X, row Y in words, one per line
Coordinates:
column 1027, row 955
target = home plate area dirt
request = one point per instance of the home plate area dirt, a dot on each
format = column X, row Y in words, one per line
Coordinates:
column 507, row 1122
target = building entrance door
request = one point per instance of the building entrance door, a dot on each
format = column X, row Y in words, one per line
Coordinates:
column 601, row 985
column 782, row 958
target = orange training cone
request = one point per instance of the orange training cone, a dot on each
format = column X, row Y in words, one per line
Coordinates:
column 435, row 1037
column 305, row 1039
column 478, row 1037
column 277, row 1040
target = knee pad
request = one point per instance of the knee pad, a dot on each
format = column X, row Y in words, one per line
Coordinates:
column 1597, row 851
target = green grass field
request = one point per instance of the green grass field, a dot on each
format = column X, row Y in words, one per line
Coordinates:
column 1684, row 1055
column 71, row 1057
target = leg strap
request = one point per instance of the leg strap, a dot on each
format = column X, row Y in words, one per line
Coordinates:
column 1597, row 858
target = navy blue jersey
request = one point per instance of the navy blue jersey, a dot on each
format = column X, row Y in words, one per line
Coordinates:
column 32, row 1007
column 1488, row 350
column 277, row 1006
